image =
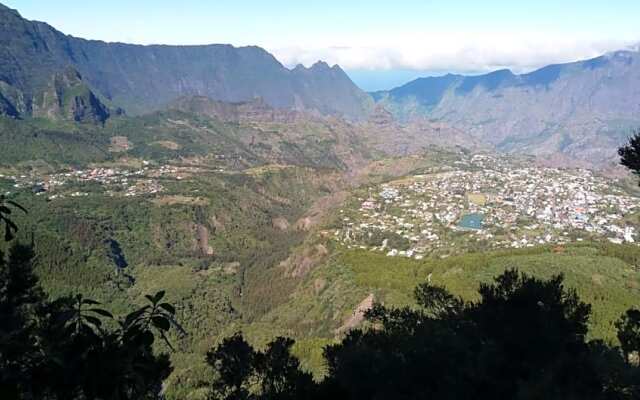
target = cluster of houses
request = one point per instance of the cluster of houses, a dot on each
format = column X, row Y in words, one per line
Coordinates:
column 487, row 202
column 116, row 181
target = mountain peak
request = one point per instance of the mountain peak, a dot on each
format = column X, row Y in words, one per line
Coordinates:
column 504, row 72
column 320, row 65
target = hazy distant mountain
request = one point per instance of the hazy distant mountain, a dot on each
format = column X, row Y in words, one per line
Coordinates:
column 144, row 78
column 581, row 110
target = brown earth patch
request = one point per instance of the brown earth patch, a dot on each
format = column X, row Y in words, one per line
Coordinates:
column 319, row 285
column 597, row 279
column 177, row 199
column 119, row 144
column 217, row 222
column 231, row 268
column 357, row 316
column 300, row 263
column 280, row 223
column 202, row 236
column 167, row 144
column 319, row 209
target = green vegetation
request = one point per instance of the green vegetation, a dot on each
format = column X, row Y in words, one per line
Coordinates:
column 605, row 275
column 62, row 348
column 630, row 153
column 524, row 338
column 50, row 143
column 225, row 243
column 235, row 235
column 116, row 249
column 170, row 136
column 217, row 256
column 242, row 285
column 378, row 237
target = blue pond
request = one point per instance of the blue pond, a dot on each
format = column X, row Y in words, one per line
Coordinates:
column 471, row 221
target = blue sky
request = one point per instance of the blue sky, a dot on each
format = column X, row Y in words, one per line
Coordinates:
column 380, row 43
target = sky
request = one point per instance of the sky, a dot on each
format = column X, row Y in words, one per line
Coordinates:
column 380, row 43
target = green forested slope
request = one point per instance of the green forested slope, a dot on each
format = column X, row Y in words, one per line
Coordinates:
column 605, row 275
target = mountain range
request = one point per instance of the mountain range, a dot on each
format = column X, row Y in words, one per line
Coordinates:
column 140, row 79
column 577, row 113
column 580, row 111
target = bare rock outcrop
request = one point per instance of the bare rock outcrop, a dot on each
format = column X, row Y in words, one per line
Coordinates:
column 280, row 223
column 300, row 263
column 357, row 316
column 202, row 237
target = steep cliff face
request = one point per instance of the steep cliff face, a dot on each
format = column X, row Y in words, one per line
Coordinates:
column 583, row 110
column 11, row 101
column 68, row 97
column 147, row 78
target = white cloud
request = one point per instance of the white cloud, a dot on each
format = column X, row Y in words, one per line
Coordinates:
column 455, row 51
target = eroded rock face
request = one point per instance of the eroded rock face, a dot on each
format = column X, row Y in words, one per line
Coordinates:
column 12, row 102
column 280, row 223
column 65, row 97
column 381, row 117
column 358, row 315
column 119, row 144
column 300, row 263
column 87, row 108
column 7, row 108
column 202, row 237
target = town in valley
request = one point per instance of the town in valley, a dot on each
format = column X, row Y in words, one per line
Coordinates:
column 481, row 202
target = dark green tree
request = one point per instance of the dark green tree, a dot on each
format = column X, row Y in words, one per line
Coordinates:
column 524, row 339
column 244, row 373
column 537, row 335
column 88, row 345
column 630, row 153
column 21, row 306
column 281, row 377
column 629, row 333
column 234, row 363
column 6, row 209
column 71, row 348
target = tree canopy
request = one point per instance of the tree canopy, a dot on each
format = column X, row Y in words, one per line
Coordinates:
column 525, row 339
column 70, row 347
column 630, row 153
